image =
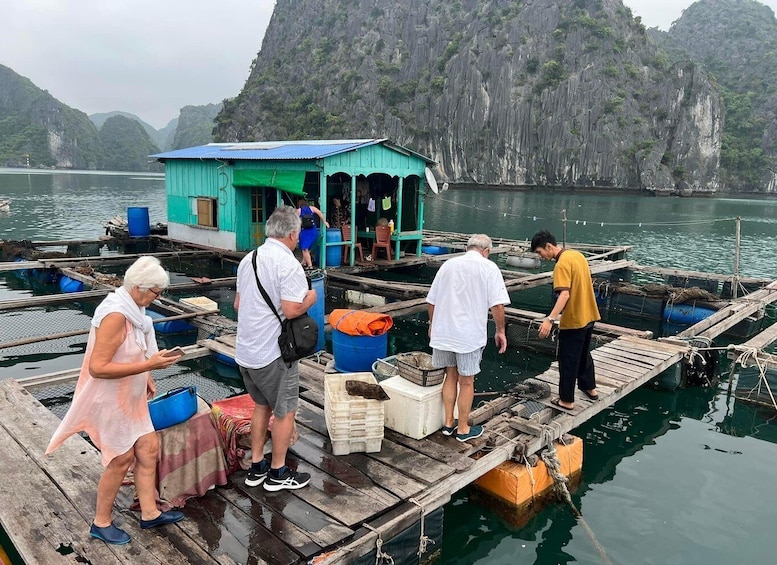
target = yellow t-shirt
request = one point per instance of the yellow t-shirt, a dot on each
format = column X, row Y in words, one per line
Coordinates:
column 572, row 273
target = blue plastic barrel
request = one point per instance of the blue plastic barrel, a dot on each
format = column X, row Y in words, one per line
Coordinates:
column 686, row 313
column 66, row 284
column 357, row 353
column 137, row 222
column 317, row 310
column 224, row 359
column 334, row 254
column 434, row 250
column 171, row 326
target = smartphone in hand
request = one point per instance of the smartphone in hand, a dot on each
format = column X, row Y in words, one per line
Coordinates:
column 174, row 352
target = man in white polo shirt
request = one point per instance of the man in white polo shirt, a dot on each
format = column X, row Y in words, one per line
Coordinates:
column 272, row 383
column 463, row 291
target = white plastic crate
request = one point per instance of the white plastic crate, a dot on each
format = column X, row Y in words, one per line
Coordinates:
column 413, row 410
column 201, row 302
column 354, row 423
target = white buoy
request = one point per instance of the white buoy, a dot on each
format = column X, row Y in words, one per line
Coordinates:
column 523, row 261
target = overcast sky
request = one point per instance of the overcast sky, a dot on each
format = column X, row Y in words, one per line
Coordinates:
column 151, row 57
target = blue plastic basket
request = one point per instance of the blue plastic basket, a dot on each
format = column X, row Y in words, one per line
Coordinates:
column 173, row 408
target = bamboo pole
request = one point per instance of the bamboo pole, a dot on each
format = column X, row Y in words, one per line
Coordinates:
column 563, row 228
column 737, row 249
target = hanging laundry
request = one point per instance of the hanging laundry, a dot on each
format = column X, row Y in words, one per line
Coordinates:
column 371, row 205
column 386, row 203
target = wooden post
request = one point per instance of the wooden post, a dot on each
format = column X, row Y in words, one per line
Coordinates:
column 563, row 228
column 398, row 223
column 737, row 247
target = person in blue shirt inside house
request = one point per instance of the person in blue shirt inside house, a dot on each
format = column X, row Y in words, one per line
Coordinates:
column 309, row 234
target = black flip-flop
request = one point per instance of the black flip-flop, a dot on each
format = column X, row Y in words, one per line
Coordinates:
column 556, row 402
column 590, row 396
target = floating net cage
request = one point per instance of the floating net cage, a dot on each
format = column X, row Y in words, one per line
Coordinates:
column 36, row 330
column 57, row 396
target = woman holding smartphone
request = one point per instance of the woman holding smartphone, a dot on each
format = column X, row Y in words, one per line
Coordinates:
column 110, row 402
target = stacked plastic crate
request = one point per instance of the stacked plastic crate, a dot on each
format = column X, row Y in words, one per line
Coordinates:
column 355, row 424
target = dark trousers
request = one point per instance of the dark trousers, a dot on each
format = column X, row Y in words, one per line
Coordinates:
column 575, row 364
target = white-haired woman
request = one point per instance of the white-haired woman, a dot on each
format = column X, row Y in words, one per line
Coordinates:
column 110, row 402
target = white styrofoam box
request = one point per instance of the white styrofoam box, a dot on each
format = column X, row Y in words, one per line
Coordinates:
column 413, row 410
column 202, row 302
column 354, row 423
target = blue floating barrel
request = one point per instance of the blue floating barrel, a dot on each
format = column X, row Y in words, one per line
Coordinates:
column 688, row 313
column 334, row 254
column 357, row 353
column 434, row 250
column 171, row 326
column 317, row 310
column 224, row 359
column 138, row 223
column 66, row 284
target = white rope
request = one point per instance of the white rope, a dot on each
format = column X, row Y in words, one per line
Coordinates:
column 423, row 539
column 751, row 354
column 379, row 555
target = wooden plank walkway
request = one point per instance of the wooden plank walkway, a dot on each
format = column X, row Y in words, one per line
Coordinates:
column 240, row 524
column 735, row 312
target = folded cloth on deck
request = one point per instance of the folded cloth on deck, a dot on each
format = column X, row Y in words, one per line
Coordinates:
column 191, row 459
column 359, row 322
column 233, row 418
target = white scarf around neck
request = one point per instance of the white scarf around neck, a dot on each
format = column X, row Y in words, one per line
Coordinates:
column 120, row 301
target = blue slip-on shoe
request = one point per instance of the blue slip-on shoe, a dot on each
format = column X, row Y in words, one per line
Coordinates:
column 474, row 431
column 110, row 534
column 257, row 473
column 449, row 431
column 169, row 517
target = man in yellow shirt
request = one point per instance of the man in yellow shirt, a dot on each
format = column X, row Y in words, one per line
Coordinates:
column 576, row 304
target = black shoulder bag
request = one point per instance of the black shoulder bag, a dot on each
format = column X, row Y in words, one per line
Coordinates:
column 299, row 336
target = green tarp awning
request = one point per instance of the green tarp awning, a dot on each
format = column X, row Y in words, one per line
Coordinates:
column 288, row 181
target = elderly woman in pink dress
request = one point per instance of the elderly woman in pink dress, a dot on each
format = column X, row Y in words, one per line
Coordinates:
column 110, row 402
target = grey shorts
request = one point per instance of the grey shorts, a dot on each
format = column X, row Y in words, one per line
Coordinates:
column 275, row 385
column 468, row 364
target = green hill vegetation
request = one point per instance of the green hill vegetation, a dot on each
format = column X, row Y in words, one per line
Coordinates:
column 30, row 117
column 736, row 41
column 195, row 125
column 126, row 146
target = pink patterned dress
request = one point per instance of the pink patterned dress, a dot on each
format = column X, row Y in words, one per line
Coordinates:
column 114, row 412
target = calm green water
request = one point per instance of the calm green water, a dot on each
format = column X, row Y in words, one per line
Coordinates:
column 669, row 477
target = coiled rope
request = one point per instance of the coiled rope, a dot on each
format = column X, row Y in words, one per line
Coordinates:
column 751, row 355
column 423, row 539
column 380, row 556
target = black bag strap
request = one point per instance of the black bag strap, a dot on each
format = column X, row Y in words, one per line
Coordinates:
column 261, row 289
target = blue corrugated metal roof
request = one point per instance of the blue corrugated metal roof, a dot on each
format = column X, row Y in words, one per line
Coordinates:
column 270, row 150
column 276, row 150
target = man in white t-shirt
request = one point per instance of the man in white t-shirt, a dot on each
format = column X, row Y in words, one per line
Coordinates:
column 463, row 291
column 272, row 383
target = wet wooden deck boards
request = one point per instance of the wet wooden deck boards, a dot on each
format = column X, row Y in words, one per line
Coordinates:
column 54, row 505
column 239, row 524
